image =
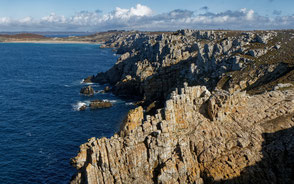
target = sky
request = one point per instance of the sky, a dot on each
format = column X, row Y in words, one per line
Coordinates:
column 146, row 15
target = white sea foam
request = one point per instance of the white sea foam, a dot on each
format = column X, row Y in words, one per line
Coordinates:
column 130, row 103
column 78, row 105
column 99, row 91
column 111, row 101
column 88, row 83
column 87, row 102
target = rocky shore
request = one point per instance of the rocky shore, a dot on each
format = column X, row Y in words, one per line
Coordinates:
column 216, row 106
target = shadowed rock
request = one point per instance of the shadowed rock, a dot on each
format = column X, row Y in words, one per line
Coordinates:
column 87, row 90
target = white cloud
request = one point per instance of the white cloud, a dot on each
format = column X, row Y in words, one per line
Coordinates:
column 4, row 20
column 26, row 20
column 141, row 10
column 250, row 15
column 143, row 18
column 120, row 13
column 53, row 18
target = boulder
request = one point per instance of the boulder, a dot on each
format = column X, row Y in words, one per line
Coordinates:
column 99, row 104
column 82, row 108
column 87, row 90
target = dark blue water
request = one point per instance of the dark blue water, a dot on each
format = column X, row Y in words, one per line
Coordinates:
column 39, row 129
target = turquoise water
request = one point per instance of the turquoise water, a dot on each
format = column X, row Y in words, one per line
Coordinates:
column 40, row 128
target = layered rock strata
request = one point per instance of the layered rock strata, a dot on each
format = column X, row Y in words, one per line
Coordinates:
column 212, row 110
column 197, row 137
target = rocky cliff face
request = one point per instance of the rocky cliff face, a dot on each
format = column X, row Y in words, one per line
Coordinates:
column 196, row 137
column 196, row 57
column 207, row 128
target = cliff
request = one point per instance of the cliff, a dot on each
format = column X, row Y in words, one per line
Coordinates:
column 222, row 110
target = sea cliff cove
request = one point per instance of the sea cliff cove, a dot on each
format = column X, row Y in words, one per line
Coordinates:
column 200, row 94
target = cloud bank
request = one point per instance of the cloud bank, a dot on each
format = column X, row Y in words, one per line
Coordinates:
column 142, row 17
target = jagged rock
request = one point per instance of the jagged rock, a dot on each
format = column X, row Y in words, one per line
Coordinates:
column 193, row 135
column 222, row 103
column 180, row 144
column 149, row 59
column 87, row 90
column 98, row 104
column 264, row 38
column 257, row 52
column 132, row 121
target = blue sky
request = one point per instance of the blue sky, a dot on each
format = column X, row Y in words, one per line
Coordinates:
column 99, row 15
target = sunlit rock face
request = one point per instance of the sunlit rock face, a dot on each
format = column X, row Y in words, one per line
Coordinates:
column 208, row 128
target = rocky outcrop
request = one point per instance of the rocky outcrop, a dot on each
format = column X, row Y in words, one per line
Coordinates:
column 164, row 61
column 87, row 90
column 196, row 137
column 211, row 111
column 99, row 104
column 89, row 79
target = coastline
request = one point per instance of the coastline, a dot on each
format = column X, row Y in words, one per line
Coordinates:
column 189, row 130
column 52, row 42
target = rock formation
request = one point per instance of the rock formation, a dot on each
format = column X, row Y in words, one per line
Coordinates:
column 87, row 90
column 196, row 137
column 99, row 104
column 151, row 66
column 218, row 106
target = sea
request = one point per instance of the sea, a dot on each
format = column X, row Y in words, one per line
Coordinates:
column 41, row 127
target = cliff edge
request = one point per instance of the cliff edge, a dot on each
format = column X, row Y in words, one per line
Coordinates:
column 217, row 107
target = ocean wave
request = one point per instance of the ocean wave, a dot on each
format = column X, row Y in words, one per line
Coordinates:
column 130, row 103
column 78, row 105
column 111, row 101
column 89, row 83
column 86, row 83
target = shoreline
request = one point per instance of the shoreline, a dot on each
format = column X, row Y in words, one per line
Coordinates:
column 52, row 41
column 197, row 123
